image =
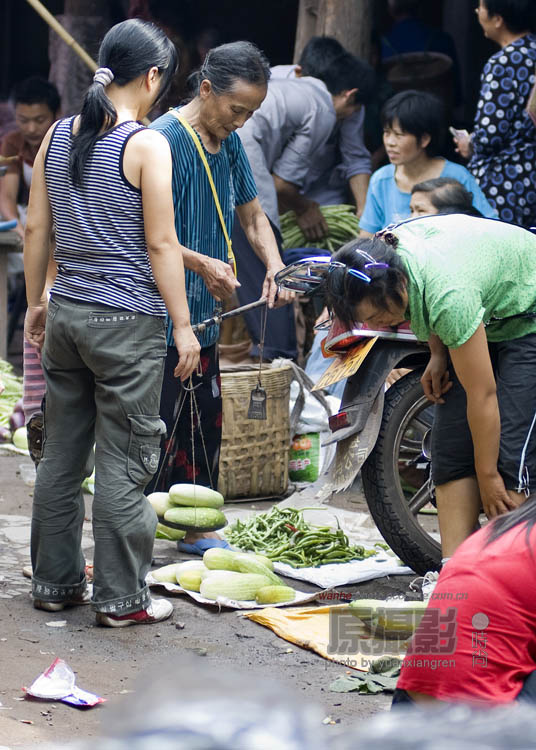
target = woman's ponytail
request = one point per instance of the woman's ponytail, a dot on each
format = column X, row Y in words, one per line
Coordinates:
column 129, row 49
column 97, row 114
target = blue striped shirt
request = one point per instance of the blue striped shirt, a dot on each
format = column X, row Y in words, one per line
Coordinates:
column 100, row 241
column 196, row 219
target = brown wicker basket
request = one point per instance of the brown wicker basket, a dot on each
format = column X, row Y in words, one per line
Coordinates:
column 254, row 453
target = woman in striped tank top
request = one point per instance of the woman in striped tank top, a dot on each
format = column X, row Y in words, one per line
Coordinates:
column 104, row 182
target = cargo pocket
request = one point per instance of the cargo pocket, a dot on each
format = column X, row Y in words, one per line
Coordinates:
column 144, row 447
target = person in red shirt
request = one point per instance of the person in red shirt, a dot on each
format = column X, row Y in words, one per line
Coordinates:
column 37, row 104
column 476, row 643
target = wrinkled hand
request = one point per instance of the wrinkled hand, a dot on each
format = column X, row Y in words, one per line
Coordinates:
column 312, row 222
column 34, row 325
column 462, row 141
column 219, row 278
column 435, row 379
column 269, row 288
column 495, row 498
column 188, row 348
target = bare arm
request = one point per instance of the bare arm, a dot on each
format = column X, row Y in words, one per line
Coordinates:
column 308, row 214
column 165, row 252
column 37, row 250
column 359, row 186
column 261, row 238
column 435, row 380
column 473, row 367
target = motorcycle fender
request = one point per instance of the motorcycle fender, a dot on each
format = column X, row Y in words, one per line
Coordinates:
column 364, row 442
column 362, row 388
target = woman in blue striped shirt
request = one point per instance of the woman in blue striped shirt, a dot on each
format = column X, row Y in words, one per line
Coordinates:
column 230, row 86
column 104, row 181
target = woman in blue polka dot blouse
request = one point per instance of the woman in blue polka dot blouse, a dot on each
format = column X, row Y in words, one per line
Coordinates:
column 502, row 147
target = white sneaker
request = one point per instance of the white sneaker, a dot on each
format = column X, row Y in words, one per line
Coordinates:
column 83, row 598
column 428, row 582
column 158, row 610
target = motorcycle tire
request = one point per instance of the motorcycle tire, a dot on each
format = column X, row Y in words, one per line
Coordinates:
column 381, row 483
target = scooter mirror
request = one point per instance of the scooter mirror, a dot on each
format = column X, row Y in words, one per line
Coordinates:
column 305, row 275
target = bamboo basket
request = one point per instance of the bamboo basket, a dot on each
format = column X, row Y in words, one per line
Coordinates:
column 254, row 453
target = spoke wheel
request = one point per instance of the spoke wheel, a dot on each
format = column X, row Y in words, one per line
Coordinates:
column 396, row 479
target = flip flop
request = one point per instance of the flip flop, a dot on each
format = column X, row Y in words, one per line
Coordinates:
column 201, row 546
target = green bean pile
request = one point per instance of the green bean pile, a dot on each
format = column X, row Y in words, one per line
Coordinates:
column 284, row 536
column 342, row 222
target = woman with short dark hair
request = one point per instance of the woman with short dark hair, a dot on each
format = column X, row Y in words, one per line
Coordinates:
column 413, row 123
column 442, row 195
column 502, row 148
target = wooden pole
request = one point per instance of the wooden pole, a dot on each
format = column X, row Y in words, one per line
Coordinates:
column 349, row 21
column 56, row 26
column 61, row 32
column 306, row 26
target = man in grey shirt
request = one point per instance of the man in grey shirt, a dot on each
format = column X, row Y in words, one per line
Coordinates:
column 342, row 168
column 282, row 140
column 293, row 123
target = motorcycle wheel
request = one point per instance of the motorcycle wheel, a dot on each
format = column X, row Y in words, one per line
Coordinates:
column 396, row 480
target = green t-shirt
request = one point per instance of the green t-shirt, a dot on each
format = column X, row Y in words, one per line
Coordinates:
column 464, row 271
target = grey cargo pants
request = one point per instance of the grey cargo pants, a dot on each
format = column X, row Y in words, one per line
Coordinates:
column 103, row 369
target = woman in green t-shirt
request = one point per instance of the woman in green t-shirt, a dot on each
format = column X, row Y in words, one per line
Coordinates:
column 468, row 287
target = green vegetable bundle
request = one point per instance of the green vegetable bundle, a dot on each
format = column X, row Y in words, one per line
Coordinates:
column 283, row 535
column 11, row 394
column 11, row 413
column 342, row 222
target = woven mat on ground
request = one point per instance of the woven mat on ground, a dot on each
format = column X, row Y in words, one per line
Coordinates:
column 310, row 628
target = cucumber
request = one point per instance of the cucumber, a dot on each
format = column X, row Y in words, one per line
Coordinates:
column 218, row 558
column 167, row 574
column 160, row 502
column 248, row 564
column 393, row 618
column 190, row 579
column 201, row 519
column 166, row 532
column 275, row 595
column 237, row 586
column 194, row 495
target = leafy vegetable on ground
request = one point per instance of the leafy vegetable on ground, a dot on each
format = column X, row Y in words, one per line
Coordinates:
column 284, row 536
column 11, row 414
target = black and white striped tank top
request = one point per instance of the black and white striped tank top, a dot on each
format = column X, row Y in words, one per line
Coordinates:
column 100, row 242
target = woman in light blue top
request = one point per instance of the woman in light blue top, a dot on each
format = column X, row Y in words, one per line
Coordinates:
column 413, row 123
